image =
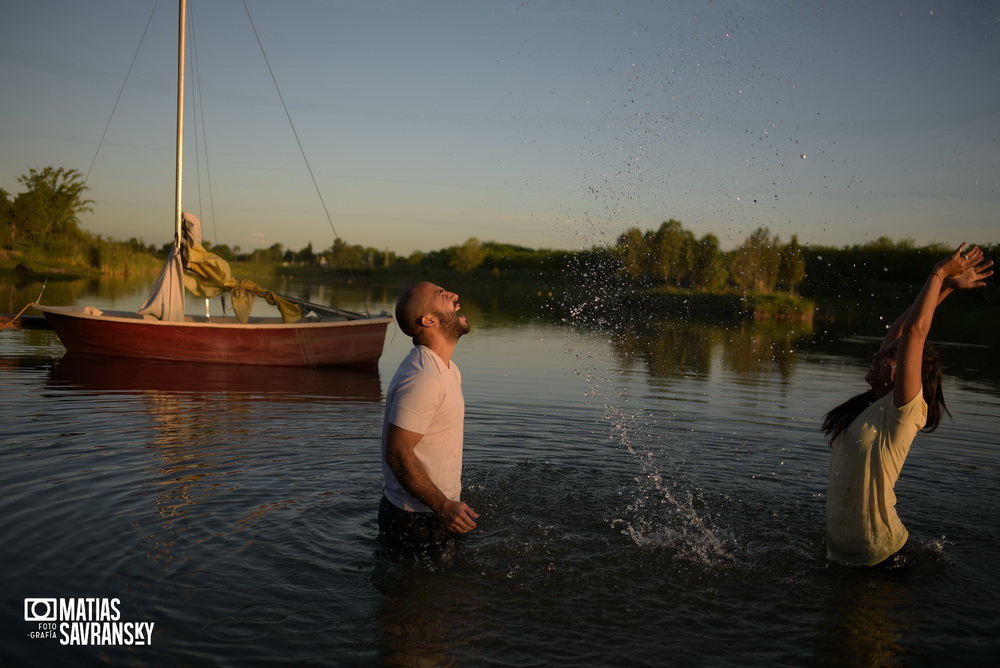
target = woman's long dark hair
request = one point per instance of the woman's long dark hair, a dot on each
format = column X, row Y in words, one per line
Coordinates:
column 840, row 417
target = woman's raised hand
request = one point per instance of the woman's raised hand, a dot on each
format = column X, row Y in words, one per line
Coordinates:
column 964, row 270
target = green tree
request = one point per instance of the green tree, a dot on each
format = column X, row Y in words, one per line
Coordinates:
column 222, row 250
column 306, row 255
column 469, row 256
column 885, row 244
column 345, row 256
column 791, row 266
column 754, row 265
column 275, row 253
column 632, row 254
column 6, row 213
column 708, row 266
column 672, row 253
column 137, row 245
column 50, row 206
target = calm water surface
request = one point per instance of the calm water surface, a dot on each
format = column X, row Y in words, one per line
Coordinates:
column 649, row 495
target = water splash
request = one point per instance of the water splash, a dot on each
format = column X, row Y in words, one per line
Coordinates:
column 666, row 510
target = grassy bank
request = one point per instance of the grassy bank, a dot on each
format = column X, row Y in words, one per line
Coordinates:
column 62, row 259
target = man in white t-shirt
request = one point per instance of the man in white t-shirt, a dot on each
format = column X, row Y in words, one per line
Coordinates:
column 423, row 426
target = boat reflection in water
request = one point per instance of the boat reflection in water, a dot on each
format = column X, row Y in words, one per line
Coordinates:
column 193, row 439
column 113, row 374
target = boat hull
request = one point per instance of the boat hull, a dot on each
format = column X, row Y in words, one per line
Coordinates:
column 261, row 343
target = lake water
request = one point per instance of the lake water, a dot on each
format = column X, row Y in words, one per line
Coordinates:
column 650, row 493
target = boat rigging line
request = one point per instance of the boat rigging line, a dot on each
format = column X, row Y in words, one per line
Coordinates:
column 305, row 159
column 12, row 322
column 121, row 90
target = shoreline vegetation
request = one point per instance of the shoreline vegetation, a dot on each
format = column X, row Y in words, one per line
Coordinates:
column 665, row 271
column 830, row 275
column 827, row 274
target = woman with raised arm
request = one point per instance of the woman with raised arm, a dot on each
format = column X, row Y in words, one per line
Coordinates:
column 870, row 434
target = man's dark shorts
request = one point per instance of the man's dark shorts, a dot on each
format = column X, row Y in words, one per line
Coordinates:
column 407, row 530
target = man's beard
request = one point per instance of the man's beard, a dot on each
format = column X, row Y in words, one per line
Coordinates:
column 452, row 325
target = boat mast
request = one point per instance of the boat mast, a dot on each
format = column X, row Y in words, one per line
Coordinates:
column 180, row 122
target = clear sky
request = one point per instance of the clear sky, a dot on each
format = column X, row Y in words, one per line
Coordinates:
column 551, row 124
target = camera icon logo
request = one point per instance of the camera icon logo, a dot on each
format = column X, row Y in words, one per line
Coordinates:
column 40, row 610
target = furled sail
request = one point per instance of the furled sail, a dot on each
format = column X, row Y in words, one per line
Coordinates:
column 205, row 274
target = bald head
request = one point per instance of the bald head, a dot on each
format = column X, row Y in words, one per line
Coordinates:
column 426, row 312
column 412, row 305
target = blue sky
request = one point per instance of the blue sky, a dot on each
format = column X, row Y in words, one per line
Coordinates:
column 551, row 124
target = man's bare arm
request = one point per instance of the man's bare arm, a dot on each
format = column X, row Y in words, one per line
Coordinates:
column 411, row 474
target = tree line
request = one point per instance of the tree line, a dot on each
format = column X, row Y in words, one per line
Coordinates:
column 46, row 216
column 673, row 257
column 339, row 255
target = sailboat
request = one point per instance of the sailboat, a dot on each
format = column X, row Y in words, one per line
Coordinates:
column 306, row 334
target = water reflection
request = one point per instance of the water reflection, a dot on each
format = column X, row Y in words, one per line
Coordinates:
column 101, row 292
column 202, row 428
column 112, row 374
column 426, row 614
column 869, row 620
column 678, row 348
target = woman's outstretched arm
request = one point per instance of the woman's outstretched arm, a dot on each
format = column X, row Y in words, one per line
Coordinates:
column 958, row 271
column 973, row 277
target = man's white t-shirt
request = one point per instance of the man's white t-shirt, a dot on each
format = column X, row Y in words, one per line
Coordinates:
column 425, row 397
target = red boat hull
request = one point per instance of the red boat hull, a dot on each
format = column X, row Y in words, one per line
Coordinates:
column 222, row 341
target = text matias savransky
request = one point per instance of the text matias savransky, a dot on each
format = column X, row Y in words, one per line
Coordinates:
column 85, row 621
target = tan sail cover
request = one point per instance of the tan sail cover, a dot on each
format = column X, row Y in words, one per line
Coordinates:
column 166, row 301
column 207, row 275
